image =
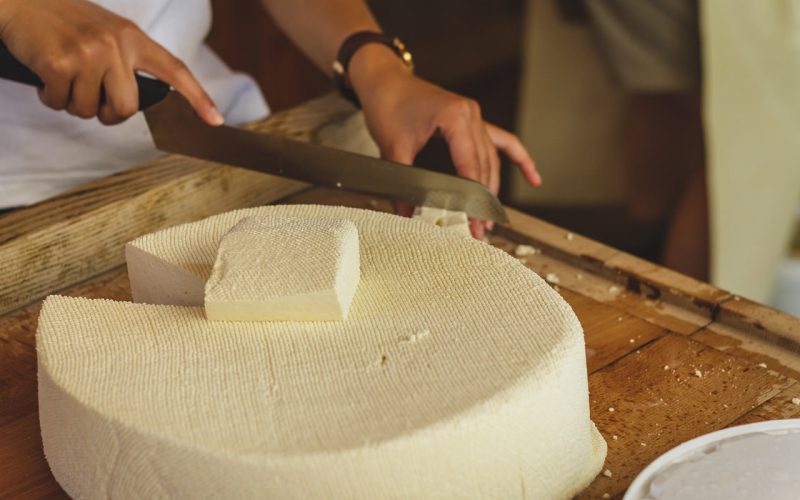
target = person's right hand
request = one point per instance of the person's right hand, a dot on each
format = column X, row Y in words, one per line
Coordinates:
column 77, row 48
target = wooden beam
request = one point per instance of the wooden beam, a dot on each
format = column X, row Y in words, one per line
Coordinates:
column 70, row 238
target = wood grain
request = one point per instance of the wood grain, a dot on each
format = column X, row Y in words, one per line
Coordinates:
column 23, row 470
column 610, row 334
column 654, row 400
column 660, row 407
column 70, row 238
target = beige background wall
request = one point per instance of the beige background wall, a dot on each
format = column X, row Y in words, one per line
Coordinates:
column 570, row 115
column 752, row 110
column 570, row 118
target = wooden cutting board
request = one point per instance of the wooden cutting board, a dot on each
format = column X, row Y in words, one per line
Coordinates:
column 669, row 358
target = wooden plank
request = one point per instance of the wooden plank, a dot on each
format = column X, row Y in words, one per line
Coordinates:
column 610, row 334
column 27, row 475
column 658, row 407
column 761, row 321
column 658, row 402
column 17, row 343
column 654, row 293
column 82, row 233
column 588, row 277
column 784, row 405
column 758, row 351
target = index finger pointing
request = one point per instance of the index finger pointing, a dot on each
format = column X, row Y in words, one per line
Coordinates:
column 516, row 152
column 160, row 63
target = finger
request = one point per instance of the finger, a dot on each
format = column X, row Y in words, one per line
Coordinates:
column 155, row 60
column 463, row 150
column 509, row 144
column 494, row 171
column 122, row 95
column 84, row 100
column 482, row 145
column 403, row 209
column 55, row 93
column 58, row 73
column 400, row 151
column 477, row 229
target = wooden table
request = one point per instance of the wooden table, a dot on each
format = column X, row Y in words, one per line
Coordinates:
column 669, row 358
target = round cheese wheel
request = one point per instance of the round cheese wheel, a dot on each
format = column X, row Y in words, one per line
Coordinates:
column 458, row 374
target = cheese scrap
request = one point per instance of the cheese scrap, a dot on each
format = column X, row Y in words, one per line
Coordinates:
column 451, row 220
column 526, row 250
column 284, row 269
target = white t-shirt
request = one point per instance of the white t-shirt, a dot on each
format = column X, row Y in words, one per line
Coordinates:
column 44, row 152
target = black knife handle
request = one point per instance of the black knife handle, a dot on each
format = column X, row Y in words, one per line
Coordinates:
column 151, row 90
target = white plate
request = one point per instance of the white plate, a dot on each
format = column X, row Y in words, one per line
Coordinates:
column 640, row 486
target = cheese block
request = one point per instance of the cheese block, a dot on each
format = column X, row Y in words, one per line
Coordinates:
column 459, row 373
column 271, row 268
column 451, row 220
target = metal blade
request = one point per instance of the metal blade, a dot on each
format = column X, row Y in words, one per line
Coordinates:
column 177, row 129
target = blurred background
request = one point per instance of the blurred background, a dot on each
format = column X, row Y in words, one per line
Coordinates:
column 667, row 129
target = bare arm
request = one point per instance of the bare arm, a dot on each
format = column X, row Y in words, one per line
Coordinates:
column 319, row 27
column 402, row 111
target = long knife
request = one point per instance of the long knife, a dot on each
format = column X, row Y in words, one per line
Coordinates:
column 177, row 129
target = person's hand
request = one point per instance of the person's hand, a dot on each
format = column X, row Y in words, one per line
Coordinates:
column 77, row 48
column 403, row 112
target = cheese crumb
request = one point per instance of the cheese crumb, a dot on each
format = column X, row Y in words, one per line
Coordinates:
column 631, row 341
column 698, row 374
column 666, row 367
column 569, row 236
column 642, row 444
column 611, row 409
column 796, row 401
column 762, row 365
column 415, row 337
column 451, row 220
column 607, row 473
column 552, row 278
column 615, row 437
column 526, row 250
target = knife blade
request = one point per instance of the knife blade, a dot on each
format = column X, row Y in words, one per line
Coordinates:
column 176, row 128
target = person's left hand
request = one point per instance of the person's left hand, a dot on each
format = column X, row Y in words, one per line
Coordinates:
column 403, row 112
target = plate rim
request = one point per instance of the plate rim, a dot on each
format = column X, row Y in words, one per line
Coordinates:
column 636, row 491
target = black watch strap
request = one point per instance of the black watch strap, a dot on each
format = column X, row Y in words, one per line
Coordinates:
column 350, row 46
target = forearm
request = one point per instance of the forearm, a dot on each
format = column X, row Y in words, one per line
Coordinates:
column 319, row 27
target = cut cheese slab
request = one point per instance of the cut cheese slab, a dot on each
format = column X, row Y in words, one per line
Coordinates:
column 458, row 374
column 453, row 221
column 270, row 268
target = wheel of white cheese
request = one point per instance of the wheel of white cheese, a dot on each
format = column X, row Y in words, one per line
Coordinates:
column 458, row 374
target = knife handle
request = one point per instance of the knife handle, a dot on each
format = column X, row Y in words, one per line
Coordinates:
column 151, row 91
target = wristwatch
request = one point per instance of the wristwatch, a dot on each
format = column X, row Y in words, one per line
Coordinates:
column 349, row 47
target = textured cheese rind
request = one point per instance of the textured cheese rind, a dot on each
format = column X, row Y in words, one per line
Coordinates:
column 270, row 268
column 491, row 403
column 450, row 220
